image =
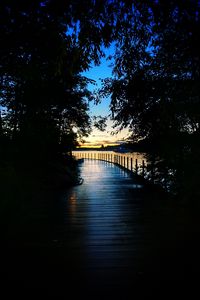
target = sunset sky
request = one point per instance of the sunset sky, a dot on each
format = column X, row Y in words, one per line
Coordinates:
column 97, row 137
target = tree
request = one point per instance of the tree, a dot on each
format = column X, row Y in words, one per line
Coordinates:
column 46, row 46
column 155, row 91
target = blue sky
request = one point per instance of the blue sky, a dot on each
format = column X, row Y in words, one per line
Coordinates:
column 97, row 73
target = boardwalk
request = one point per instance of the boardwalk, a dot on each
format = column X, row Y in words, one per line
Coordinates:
column 134, row 161
column 112, row 233
column 104, row 225
column 106, row 238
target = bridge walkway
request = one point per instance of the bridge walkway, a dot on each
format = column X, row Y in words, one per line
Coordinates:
column 109, row 238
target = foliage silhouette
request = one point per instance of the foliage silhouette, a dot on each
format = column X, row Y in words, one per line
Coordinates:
column 154, row 89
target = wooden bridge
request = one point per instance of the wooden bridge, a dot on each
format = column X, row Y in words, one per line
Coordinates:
column 134, row 162
column 105, row 238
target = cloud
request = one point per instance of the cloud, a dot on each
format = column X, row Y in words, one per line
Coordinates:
column 99, row 135
column 100, row 143
column 120, row 141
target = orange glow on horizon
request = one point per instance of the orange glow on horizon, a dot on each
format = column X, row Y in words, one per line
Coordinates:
column 90, row 145
column 97, row 138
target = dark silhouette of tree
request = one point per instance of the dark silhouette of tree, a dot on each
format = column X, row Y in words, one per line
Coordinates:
column 155, row 90
column 46, row 45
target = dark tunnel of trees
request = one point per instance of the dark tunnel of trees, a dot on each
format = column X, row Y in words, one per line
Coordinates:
column 47, row 233
column 46, row 45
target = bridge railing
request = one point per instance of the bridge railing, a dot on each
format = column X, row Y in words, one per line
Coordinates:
column 134, row 162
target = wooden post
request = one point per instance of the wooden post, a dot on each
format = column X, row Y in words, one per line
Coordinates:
column 136, row 166
column 143, row 166
column 152, row 172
